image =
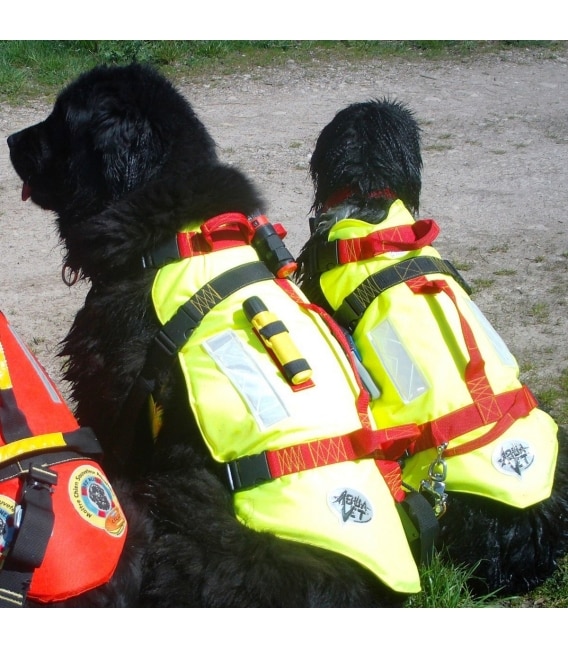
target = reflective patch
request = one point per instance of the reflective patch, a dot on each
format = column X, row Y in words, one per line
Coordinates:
column 7, row 509
column 403, row 372
column 247, row 377
column 37, row 367
column 350, row 505
column 93, row 498
column 498, row 343
column 513, row 457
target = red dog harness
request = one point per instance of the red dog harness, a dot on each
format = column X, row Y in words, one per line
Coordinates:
column 61, row 527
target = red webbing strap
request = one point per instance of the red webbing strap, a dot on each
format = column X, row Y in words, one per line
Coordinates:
column 400, row 238
column 487, row 407
column 363, row 398
column 392, row 442
column 220, row 232
column 347, row 192
column 351, row 446
column 392, row 475
column 517, row 403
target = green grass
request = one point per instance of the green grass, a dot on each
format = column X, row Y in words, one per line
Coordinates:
column 445, row 586
column 32, row 68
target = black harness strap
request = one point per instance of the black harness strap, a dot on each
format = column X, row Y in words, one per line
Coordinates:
column 355, row 304
column 173, row 335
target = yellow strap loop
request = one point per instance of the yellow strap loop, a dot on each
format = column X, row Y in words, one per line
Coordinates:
column 14, row 450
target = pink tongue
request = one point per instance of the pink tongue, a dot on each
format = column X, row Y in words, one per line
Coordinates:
column 26, row 191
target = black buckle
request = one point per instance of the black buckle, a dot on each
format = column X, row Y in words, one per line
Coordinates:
column 349, row 312
column 248, row 471
column 40, row 477
column 161, row 255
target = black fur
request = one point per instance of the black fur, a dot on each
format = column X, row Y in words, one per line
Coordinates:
column 375, row 145
column 124, row 163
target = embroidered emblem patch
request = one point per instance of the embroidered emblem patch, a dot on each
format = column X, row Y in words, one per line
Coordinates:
column 95, row 501
column 513, row 457
column 350, row 505
column 7, row 508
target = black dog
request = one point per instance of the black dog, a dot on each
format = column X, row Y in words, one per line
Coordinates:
column 125, row 164
column 367, row 161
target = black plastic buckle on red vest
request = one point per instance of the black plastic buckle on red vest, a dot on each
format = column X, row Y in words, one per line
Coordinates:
column 33, row 523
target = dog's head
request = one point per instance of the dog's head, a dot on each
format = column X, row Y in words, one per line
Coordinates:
column 368, row 147
column 105, row 137
column 124, row 161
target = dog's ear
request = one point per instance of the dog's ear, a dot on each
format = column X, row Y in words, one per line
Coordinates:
column 129, row 147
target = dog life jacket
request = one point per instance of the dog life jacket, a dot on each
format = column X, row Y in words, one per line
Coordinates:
column 301, row 458
column 437, row 361
column 61, row 527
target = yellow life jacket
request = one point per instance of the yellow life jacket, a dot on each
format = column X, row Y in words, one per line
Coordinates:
column 301, row 455
column 438, row 362
column 62, row 529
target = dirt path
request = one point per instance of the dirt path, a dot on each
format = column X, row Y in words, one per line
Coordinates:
column 495, row 148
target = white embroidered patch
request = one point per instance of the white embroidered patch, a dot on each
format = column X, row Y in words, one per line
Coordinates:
column 350, row 505
column 513, row 457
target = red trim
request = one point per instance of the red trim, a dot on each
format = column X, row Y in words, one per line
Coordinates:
column 486, row 407
column 220, row 232
column 342, row 195
column 517, row 403
column 385, row 444
column 400, row 238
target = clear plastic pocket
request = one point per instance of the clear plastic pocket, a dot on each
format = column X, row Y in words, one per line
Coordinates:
column 402, row 370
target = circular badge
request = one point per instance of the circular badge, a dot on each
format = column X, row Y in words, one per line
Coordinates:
column 7, row 509
column 95, row 501
column 513, row 457
column 350, row 505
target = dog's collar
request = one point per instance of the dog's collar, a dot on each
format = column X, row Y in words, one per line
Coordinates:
column 347, row 192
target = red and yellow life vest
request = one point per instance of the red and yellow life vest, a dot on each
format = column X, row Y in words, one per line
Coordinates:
column 60, row 521
column 303, row 454
column 437, row 362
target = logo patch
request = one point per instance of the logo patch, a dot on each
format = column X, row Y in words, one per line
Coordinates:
column 7, row 508
column 513, row 457
column 93, row 498
column 350, row 505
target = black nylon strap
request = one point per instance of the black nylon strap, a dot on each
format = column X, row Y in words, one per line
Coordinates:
column 53, row 458
column 14, row 586
column 177, row 331
column 31, row 538
column 355, row 304
column 13, row 421
column 420, row 525
column 37, row 521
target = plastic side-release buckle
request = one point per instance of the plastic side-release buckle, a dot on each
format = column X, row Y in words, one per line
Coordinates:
column 248, row 471
column 161, row 255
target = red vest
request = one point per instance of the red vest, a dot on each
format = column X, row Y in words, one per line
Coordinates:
column 42, row 448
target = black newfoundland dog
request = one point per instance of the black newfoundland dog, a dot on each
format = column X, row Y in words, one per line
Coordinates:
column 366, row 171
column 126, row 165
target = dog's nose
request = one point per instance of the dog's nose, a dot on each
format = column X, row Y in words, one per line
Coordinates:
column 11, row 141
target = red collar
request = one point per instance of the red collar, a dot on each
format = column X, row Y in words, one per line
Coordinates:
column 347, row 192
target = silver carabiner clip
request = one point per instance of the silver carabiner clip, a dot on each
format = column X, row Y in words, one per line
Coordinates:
column 435, row 487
